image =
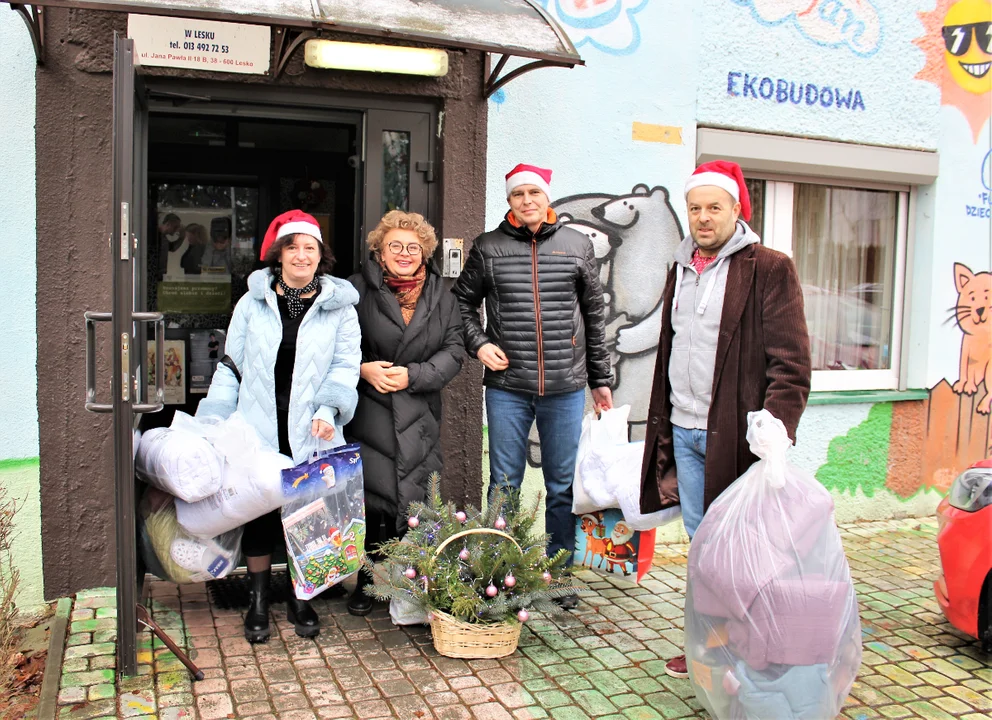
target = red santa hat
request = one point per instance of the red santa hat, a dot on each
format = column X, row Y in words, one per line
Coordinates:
column 725, row 175
column 290, row 223
column 528, row 175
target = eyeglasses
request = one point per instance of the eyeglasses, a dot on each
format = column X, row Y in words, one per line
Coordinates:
column 957, row 38
column 397, row 248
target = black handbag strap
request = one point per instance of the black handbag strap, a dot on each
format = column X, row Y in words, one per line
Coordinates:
column 227, row 361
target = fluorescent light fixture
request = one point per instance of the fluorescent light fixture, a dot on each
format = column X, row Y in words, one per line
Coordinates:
column 332, row 54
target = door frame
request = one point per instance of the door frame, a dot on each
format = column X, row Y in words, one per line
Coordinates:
column 184, row 96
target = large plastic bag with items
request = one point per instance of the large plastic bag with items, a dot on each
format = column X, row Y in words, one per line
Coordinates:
column 251, row 481
column 771, row 615
column 608, row 471
column 179, row 459
column 172, row 553
column 323, row 518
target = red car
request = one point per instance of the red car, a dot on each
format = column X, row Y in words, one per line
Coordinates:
column 964, row 536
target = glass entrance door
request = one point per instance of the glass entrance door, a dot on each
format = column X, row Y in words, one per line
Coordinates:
column 399, row 167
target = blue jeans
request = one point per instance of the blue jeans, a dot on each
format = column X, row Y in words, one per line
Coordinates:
column 559, row 424
column 690, row 467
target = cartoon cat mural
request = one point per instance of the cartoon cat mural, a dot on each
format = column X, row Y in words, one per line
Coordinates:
column 973, row 314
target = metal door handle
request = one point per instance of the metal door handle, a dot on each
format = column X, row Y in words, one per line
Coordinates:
column 92, row 318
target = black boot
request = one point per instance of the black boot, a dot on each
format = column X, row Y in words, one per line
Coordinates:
column 359, row 603
column 257, row 615
column 302, row 616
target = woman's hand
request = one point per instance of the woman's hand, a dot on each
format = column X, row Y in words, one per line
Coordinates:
column 322, row 429
column 374, row 373
column 397, row 378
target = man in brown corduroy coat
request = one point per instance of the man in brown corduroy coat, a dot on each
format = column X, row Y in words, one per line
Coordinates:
column 733, row 340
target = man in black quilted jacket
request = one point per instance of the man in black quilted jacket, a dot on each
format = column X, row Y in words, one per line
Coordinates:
column 544, row 341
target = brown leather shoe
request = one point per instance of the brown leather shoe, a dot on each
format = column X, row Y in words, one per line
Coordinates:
column 677, row 667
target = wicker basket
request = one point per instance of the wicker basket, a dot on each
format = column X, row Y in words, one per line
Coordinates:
column 456, row 639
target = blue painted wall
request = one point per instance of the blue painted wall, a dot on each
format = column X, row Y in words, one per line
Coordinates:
column 18, row 376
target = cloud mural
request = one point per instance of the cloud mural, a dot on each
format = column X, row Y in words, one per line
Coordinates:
column 607, row 25
column 829, row 23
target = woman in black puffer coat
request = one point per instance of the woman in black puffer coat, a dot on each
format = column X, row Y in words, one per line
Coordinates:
column 412, row 346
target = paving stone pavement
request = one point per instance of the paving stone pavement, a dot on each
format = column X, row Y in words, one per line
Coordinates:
column 605, row 660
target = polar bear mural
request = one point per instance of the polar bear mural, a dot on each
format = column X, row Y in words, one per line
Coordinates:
column 634, row 237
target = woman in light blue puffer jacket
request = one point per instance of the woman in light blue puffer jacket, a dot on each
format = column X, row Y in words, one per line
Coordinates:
column 296, row 340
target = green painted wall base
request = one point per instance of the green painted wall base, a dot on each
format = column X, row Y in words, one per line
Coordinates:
column 20, row 478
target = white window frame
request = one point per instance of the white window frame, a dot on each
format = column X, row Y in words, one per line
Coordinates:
column 778, row 207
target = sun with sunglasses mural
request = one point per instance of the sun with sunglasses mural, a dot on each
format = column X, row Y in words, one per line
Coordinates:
column 957, row 41
column 967, row 33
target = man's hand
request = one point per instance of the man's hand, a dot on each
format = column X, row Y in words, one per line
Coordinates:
column 397, row 378
column 602, row 398
column 321, row 429
column 374, row 373
column 492, row 357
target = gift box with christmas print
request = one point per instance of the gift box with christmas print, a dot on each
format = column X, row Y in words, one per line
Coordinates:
column 323, row 520
column 605, row 543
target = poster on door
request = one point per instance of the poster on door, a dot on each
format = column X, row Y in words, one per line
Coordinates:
column 206, row 348
column 196, row 257
column 175, row 370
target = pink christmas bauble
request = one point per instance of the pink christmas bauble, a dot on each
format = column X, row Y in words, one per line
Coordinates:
column 523, row 616
column 410, row 573
column 413, row 521
column 500, row 523
column 463, row 555
column 547, row 577
column 491, row 591
column 509, row 581
column 430, row 617
column 460, row 516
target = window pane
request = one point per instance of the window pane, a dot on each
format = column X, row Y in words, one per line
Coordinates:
column 396, row 170
column 756, row 189
column 844, row 246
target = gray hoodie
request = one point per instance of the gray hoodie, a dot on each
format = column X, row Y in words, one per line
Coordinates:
column 696, row 313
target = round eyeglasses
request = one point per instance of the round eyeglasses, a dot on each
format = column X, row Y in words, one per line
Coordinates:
column 398, row 248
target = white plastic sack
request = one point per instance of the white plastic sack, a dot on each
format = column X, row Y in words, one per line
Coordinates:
column 251, row 481
column 173, row 554
column 624, row 478
column 593, row 439
column 179, row 461
column 608, row 471
column 404, row 612
column 771, row 616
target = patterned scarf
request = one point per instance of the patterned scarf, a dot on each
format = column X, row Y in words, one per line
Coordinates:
column 293, row 301
column 700, row 262
column 406, row 289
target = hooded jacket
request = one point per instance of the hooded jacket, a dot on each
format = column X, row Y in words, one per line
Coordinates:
column 400, row 432
column 762, row 361
column 544, row 308
column 325, row 373
column 696, row 316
